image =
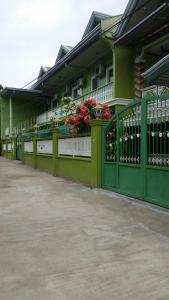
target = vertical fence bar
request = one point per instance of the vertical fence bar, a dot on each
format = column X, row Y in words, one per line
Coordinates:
column 144, row 143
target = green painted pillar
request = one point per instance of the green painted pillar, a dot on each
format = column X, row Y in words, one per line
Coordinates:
column 22, row 149
column 55, row 150
column 96, row 158
column 123, row 72
column 6, row 149
column 34, row 139
column 14, row 148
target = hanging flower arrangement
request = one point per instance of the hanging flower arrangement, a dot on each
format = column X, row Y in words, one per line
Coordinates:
column 79, row 121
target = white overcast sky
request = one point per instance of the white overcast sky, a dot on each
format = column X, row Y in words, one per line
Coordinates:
column 31, row 32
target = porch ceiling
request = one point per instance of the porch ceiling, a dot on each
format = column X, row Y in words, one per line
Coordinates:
column 77, row 66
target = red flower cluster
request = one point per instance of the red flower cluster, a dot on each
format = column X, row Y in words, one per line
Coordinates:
column 84, row 114
column 90, row 102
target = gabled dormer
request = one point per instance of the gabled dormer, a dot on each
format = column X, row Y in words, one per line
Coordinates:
column 63, row 51
column 94, row 20
column 43, row 70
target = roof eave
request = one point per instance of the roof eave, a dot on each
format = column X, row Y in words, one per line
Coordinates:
column 9, row 91
column 157, row 68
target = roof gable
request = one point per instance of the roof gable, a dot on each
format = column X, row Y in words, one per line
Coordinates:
column 135, row 12
column 63, row 51
column 43, row 70
column 94, row 20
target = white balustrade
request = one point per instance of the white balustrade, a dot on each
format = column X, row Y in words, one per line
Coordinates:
column 45, row 147
column 102, row 95
column 28, row 147
column 80, row 146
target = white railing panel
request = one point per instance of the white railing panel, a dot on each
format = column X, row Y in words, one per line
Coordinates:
column 80, row 146
column 28, row 147
column 45, row 147
column 102, row 95
column 41, row 118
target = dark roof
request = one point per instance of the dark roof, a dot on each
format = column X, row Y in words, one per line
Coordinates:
column 64, row 49
column 135, row 12
column 94, row 20
column 159, row 72
column 25, row 93
column 146, row 30
column 43, row 70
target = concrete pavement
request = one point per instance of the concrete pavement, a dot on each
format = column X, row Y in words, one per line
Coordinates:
column 60, row 240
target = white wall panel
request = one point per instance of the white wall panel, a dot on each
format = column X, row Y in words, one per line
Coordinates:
column 80, row 146
column 9, row 147
column 28, row 147
column 45, row 147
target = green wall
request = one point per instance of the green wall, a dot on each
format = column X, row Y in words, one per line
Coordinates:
column 22, row 110
column 78, row 169
column 44, row 163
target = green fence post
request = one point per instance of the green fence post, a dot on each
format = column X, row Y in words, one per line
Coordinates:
column 14, row 148
column 6, row 149
column 144, row 142
column 55, row 150
column 96, row 146
column 22, row 149
column 34, row 139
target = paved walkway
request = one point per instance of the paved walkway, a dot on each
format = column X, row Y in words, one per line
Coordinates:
column 62, row 241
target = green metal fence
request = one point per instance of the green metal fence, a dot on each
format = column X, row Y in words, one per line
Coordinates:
column 136, row 151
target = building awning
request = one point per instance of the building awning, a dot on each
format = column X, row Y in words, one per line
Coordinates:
column 159, row 72
column 22, row 94
column 150, row 26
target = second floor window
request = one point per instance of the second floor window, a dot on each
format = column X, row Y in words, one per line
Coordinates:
column 109, row 74
column 76, row 92
column 94, row 83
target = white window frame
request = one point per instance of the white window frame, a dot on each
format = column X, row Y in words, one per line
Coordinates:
column 107, row 70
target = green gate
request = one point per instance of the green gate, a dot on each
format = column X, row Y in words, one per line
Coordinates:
column 136, row 151
column 19, row 146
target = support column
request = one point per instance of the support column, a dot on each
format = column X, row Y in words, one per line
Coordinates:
column 55, row 150
column 139, row 80
column 13, row 143
column 10, row 116
column 34, row 139
column 97, row 146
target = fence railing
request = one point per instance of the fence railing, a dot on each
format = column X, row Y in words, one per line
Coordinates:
column 143, row 125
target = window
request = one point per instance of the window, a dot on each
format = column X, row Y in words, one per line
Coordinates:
column 54, row 101
column 94, row 83
column 76, row 92
column 109, row 74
